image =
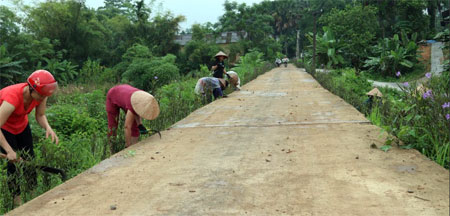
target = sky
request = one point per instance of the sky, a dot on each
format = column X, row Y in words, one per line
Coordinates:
column 195, row 11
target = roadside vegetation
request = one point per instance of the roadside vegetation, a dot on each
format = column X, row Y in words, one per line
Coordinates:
column 368, row 42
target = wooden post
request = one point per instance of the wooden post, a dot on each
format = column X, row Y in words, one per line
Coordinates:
column 313, row 67
column 297, row 50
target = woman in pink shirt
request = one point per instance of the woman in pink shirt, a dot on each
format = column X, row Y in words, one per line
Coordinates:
column 136, row 104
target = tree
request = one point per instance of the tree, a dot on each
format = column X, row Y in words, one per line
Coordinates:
column 10, row 69
column 403, row 15
column 254, row 27
column 355, row 27
column 9, row 25
column 286, row 18
column 75, row 27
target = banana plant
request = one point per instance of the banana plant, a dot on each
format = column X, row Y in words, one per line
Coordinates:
column 328, row 49
column 64, row 71
column 10, row 69
column 394, row 54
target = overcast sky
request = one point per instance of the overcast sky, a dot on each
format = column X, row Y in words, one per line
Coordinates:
column 195, row 11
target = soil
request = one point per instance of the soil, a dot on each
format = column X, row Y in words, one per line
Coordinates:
column 282, row 145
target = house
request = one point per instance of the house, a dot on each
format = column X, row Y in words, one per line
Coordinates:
column 223, row 38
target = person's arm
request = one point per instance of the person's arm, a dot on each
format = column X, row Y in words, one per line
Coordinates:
column 42, row 120
column 138, row 119
column 6, row 109
column 130, row 118
column 213, row 68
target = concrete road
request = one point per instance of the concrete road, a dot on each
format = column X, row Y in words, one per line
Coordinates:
column 281, row 146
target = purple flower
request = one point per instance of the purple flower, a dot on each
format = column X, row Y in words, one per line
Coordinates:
column 428, row 75
column 427, row 94
column 155, row 77
column 406, row 84
column 447, row 116
column 398, row 74
column 446, row 105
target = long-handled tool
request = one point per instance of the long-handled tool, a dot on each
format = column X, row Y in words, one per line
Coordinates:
column 44, row 168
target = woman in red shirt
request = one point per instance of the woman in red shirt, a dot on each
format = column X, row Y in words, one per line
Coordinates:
column 16, row 102
column 136, row 104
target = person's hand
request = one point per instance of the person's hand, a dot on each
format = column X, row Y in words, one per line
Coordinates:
column 11, row 156
column 142, row 129
column 50, row 132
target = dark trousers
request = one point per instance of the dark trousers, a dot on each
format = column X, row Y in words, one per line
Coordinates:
column 217, row 92
column 22, row 143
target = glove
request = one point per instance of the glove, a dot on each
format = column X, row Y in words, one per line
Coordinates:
column 142, row 129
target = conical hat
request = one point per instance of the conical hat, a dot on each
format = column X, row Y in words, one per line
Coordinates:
column 145, row 105
column 233, row 78
column 375, row 92
column 420, row 88
column 221, row 54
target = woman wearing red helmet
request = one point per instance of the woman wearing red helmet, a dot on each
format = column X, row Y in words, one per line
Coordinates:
column 16, row 102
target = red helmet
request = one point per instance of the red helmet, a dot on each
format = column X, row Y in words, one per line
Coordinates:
column 43, row 82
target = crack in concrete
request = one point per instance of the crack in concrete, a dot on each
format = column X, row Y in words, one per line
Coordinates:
column 195, row 125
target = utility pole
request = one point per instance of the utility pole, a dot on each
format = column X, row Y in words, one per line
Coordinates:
column 297, row 51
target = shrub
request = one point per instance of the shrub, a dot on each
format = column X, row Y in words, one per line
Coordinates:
column 394, row 54
column 151, row 74
column 196, row 53
column 93, row 72
column 64, row 71
column 356, row 27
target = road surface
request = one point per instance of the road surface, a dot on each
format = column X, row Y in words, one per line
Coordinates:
column 281, row 146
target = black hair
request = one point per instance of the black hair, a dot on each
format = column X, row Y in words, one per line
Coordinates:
column 226, row 85
column 30, row 88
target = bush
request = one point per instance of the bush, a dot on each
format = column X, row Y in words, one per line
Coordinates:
column 356, row 27
column 347, row 85
column 394, row 54
column 250, row 66
column 64, row 71
column 148, row 75
column 196, row 53
column 93, row 72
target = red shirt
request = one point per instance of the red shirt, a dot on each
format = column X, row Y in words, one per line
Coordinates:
column 18, row 120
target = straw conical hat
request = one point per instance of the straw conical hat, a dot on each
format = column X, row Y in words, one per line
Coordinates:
column 145, row 105
column 420, row 88
column 221, row 54
column 375, row 92
column 233, row 78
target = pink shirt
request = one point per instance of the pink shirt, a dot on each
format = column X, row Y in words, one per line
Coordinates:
column 119, row 97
